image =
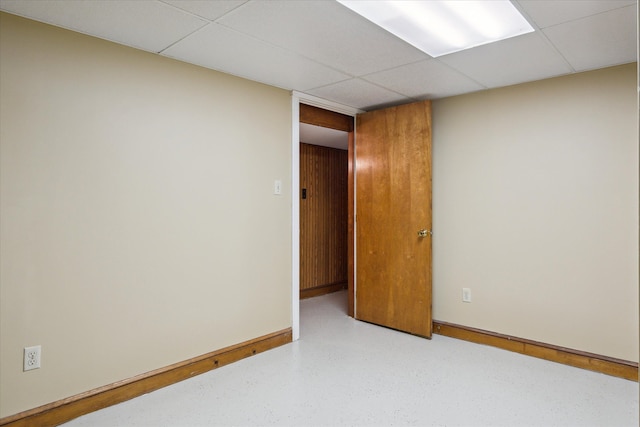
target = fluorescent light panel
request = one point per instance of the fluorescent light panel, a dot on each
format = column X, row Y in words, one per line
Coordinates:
column 442, row 27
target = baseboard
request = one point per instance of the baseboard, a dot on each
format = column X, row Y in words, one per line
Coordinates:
column 322, row 290
column 580, row 359
column 65, row 410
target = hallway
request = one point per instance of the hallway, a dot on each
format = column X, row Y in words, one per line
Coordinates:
column 348, row 373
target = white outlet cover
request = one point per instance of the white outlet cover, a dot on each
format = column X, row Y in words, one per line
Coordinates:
column 32, row 357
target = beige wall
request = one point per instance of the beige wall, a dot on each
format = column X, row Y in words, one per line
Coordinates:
column 138, row 224
column 535, row 208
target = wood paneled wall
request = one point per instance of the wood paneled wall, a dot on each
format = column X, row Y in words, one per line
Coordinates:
column 323, row 218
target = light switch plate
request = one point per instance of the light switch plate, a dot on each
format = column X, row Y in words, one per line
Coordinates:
column 466, row 294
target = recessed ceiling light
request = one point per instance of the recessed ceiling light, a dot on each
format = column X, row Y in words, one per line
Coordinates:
column 442, row 27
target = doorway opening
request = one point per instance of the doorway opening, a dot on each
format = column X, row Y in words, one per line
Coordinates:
column 299, row 100
column 323, row 149
column 323, row 210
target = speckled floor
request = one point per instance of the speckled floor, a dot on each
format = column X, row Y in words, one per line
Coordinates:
column 348, row 373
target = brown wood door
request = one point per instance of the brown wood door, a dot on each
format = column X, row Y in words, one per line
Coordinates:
column 393, row 203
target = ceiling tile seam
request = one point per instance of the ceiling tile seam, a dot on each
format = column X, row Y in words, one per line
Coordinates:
column 232, row 11
column 365, row 81
column 224, row 71
column 539, row 30
column 590, row 16
column 234, row 74
column 523, row 12
column 555, row 48
column 450, row 67
column 328, row 84
column 203, row 20
column 178, row 9
column 75, row 30
column 109, row 39
column 289, row 51
column 634, row 6
column 208, row 23
column 395, row 67
column 389, row 89
column 204, row 17
column 302, row 55
column 240, row 75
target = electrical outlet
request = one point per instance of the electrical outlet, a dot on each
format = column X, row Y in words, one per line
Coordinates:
column 466, row 294
column 32, row 357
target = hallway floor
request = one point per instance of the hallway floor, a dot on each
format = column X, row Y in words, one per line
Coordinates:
column 348, row 373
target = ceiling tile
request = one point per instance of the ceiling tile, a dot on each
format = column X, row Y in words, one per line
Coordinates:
column 359, row 94
column 546, row 13
column 324, row 31
column 428, row 79
column 243, row 56
column 208, row 9
column 145, row 24
column 516, row 60
column 598, row 41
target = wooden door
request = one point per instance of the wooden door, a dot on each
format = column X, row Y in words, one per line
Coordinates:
column 393, row 203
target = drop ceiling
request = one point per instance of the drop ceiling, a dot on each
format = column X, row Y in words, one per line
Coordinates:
column 323, row 49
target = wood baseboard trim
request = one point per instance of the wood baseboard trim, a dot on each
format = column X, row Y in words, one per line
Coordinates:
column 64, row 410
column 322, row 290
column 580, row 359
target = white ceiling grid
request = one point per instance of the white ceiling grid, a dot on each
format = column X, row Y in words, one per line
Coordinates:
column 323, row 49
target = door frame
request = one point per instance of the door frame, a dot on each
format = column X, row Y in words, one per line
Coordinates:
column 296, row 99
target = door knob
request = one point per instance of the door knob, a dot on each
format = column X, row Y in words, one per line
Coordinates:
column 425, row 233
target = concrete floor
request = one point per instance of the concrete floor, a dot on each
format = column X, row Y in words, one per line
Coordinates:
column 348, row 373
